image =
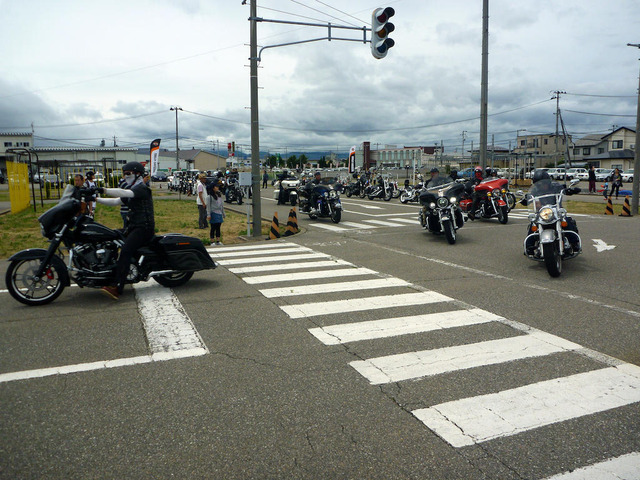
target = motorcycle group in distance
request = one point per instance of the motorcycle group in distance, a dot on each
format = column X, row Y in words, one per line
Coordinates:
column 447, row 202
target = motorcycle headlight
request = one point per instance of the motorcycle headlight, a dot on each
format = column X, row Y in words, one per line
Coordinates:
column 442, row 202
column 454, row 200
column 333, row 194
column 432, row 205
column 325, row 194
column 496, row 192
column 546, row 214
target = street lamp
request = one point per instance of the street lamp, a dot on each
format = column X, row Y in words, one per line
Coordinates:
column 177, row 150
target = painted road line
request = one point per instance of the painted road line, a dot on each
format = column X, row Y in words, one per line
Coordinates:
column 285, row 277
column 334, row 287
column 256, row 246
column 248, row 253
column 407, row 220
column 479, row 419
column 405, row 366
column 392, row 327
column 290, row 266
column 100, row 365
column 283, row 258
column 382, row 222
column 361, row 304
column 625, row 467
column 168, row 329
column 357, row 225
column 167, row 325
column 333, row 228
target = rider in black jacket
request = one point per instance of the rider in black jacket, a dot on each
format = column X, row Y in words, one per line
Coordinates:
column 141, row 227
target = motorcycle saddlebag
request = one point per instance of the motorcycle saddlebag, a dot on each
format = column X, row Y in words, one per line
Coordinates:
column 184, row 253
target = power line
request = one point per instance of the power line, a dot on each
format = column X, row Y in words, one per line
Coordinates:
column 324, row 13
column 337, row 10
column 600, row 114
column 599, row 96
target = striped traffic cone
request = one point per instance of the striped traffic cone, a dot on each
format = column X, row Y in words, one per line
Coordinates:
column 626, row 208
column 292, row 223
column 609, row 209
column 275, row 228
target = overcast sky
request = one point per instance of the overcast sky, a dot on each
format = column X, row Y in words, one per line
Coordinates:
column 83, row 71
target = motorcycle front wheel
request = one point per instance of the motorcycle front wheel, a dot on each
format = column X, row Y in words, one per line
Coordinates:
column 449, row 231
column 175, row 279
column 336, row 216
column 503, row 214
column 22, row 285
column 362, row 194
column 552, row 258
column 387, row 196
column 404, row 198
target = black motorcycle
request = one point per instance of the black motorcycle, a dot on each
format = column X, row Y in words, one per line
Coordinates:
column 37, row 276
column 233, row 192
column 440, row 211
column 326, row 202
column 381, row 189
column 355, row 189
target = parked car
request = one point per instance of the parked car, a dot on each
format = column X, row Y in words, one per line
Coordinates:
column 627, row 175
column 530, row 173
column 556, row 173
column 602, row 174
column 160, row 177
column 506, row 172
column 580, row 173
column 466, row 173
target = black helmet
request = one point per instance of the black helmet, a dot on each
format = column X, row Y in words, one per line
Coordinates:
column 540, row 175
column 90, row 174
column 435, row 170
column 135, row 167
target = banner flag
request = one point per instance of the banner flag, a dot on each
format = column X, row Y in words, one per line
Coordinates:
column 154, row 152
column 352, row 160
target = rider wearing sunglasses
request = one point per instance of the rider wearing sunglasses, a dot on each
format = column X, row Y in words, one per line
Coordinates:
column 141, row 224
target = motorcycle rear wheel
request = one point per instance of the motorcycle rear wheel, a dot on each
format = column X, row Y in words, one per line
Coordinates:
column 449, row 231
column 552, row 259
column 22, row 286
column 371, row 197
column 175, row 279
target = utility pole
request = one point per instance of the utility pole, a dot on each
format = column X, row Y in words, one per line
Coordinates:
column 557, row 152
column 177, row 149
column 464, row 137
column 484, row 88
column 636, row 161
column 255, row 131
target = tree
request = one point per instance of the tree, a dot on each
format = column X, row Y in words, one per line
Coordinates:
column 272, row 161
column 303, row 160
column 322, row 163
column 292, row 161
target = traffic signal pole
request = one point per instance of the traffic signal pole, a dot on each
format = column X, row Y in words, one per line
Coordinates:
column 636, row 161
column 254, row 58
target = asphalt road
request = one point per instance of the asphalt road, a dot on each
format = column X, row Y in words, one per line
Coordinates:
column 404, row 357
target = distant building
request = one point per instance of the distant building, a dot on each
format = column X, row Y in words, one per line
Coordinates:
column 12, row 140
column 607, row 150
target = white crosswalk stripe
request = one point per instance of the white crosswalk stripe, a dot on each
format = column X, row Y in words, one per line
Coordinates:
column 465, row 421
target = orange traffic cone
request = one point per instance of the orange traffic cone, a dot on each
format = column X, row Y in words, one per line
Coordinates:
column 626, row 208
column 275, row 228
column 609, row 209
column 292, row 223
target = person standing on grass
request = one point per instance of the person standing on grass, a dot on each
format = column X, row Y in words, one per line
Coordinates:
column 215, row 213
column 201, row 201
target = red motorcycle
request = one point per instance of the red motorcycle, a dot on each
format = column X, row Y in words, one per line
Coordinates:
column 494, row 195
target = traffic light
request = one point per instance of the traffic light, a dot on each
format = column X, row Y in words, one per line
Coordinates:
column 380, row 30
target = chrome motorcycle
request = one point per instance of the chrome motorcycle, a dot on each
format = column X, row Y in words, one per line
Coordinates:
column 326, row 202
column 441, row 213
column 552, row 235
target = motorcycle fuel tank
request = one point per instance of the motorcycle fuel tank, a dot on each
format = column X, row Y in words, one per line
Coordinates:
column 94, row 232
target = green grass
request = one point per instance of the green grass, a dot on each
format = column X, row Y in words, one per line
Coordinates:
column 22, row 230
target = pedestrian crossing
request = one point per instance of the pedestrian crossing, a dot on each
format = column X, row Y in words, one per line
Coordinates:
column 356, row 306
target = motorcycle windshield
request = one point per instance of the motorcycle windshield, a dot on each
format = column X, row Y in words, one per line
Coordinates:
column 443, row 188
column 545, row 192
